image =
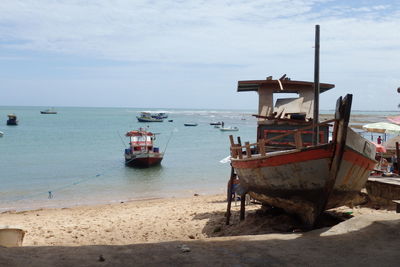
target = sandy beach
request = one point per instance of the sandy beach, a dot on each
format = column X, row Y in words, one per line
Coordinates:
column 192, row 231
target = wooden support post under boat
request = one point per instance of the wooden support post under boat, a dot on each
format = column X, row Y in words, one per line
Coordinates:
column 242, row 206
column 398, row 157
column 230, row 188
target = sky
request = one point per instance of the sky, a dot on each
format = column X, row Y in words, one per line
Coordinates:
column 192, row 53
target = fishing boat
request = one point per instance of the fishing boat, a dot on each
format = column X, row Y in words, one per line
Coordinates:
column 215, row 123
column 12, row 119
column 190, row 124
column 48, row 111
column 229, row 129
column 286, row 168
column 146, row 117
column 141, row 151
column 159, row 115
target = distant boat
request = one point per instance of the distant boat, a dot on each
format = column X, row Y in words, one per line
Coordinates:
column 12, row 119
column 1, row 134
column 170, row 120
column 215, row 123
column 159, row 115
column 229, row 129
column 190, row 124
column 48, row 111
column 146, row 117
column 141, row 151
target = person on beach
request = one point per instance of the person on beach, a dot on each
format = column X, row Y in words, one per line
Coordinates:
column 379, row 140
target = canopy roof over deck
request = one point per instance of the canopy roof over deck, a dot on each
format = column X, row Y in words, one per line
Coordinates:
column 281, row 85
column 286, row 106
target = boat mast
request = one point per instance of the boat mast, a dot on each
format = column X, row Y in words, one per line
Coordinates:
column 316, row 88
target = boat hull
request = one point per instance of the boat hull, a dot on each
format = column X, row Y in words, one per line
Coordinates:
column 48, row 112
column 143, row 160
column 141, row 119
column 12, row 122
column 295, row 180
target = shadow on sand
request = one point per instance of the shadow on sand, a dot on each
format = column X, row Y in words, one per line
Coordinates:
column 262, row 221
column 375, row 244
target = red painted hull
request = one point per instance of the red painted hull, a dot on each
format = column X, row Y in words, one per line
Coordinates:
column 144, row 160
column 294, row 180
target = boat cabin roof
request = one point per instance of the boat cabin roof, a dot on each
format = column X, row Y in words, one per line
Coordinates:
column 300, row 107
column 139, row 133
column 284, row 85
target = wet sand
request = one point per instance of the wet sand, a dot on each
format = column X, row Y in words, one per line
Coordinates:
column 192, row 231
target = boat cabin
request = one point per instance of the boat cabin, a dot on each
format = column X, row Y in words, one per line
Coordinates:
column 141, row 141
column 12, row 119
column 277, row 116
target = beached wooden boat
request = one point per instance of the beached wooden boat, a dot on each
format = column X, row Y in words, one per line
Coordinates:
column 12, row 119
column 141, row 151
column 284, row 169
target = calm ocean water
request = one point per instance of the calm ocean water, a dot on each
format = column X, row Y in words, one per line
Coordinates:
column 77, row 155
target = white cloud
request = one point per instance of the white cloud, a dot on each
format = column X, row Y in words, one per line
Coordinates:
column 263, row 37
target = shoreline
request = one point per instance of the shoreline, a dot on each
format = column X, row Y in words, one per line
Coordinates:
column 28, row 205
column 154, row 220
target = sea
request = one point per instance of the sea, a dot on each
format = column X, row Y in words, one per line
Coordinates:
column 76, row 157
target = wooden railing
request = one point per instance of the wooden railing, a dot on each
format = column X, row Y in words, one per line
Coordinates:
column 259, row 147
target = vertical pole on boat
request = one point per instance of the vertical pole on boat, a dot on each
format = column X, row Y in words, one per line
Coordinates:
column 316, row 88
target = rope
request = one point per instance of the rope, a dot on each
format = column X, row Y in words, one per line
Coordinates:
column 50, row 193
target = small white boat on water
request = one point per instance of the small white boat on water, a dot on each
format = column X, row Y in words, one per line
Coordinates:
column 48, row 111
column 229, row 129
column 147, row 117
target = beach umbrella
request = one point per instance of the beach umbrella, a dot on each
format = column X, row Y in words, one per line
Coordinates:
column 394, row 119
column 379, row 148
column 382, row 127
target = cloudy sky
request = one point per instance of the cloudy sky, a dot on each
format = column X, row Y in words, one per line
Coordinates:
column 191, row 53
